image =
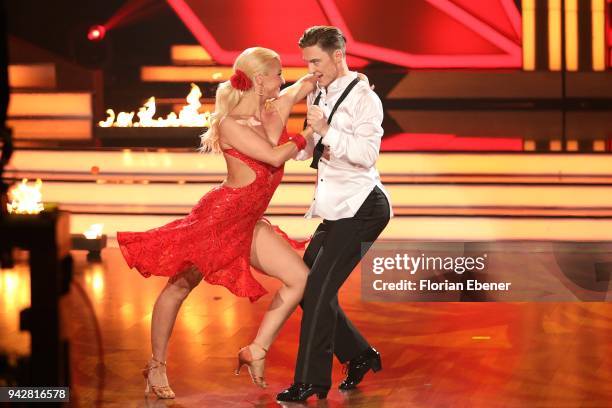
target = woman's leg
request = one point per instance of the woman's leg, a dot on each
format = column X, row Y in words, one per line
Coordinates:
column 273, row 255
column 164, row 315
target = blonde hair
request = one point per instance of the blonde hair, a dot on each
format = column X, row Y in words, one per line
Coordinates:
column 252, row 61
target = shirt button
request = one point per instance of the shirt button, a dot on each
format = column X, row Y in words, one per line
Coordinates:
column 321, row 179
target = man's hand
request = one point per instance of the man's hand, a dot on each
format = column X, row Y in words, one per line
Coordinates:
column 316, row 119
column 326, row 153
column 308, row 133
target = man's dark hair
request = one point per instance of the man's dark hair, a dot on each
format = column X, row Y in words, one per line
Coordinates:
column 328, row 38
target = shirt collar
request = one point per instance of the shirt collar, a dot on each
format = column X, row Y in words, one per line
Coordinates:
column 339, row 83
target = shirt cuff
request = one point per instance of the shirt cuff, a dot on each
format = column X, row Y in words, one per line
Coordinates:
column 331, row 138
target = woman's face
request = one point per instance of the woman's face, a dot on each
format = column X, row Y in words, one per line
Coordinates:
column 323, row 65
column 272, row 80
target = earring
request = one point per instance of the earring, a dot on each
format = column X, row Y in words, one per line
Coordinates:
column 259, row 91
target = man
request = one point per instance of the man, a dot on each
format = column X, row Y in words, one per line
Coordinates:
column 355, row 208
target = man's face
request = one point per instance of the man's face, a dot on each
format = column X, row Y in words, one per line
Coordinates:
column 321, row 64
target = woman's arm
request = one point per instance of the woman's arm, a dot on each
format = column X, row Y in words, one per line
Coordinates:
column 298, row 91
column 293, row 94
column 300, row 88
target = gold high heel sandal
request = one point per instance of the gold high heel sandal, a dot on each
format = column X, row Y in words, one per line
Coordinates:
column 161, row 391
column 255, row 366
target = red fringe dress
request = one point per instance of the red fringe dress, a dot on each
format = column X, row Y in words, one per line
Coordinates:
column 215, row 236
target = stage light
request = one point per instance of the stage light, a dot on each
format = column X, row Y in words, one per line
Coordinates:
column 91, row 45
column 598, row 24
column 571, row 35
column 529, row 34
column 96, row 33
column 554, row 35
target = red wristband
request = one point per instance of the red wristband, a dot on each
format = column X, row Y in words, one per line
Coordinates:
column 299, row 141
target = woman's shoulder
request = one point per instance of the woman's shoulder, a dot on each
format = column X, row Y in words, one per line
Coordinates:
column 224, row 123
column 231, row 125
column 234, row 122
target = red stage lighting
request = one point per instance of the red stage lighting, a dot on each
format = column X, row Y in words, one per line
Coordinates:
column 96, row 33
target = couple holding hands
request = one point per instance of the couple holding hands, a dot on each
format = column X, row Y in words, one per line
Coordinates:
column 224, row 236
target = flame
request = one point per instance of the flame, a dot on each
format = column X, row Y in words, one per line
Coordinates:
column 26, row 199
column 94, row 231
column 146, row 113
column 124, row 119
column 188, row 116
column 109, row 121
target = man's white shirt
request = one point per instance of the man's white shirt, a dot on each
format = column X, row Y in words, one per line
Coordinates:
column 353, row 138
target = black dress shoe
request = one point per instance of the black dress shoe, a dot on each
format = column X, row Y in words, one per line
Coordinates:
column 300, row 392
column 357, row 367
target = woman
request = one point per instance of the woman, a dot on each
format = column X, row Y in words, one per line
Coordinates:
column 224, row 234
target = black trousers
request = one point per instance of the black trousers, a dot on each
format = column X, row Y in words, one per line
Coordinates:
column 333, row 253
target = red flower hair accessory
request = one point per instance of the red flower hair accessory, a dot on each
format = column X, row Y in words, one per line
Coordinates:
column 241, row 81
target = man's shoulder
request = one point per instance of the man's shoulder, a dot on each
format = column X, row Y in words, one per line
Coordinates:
column 365, row 94
column 364, row 88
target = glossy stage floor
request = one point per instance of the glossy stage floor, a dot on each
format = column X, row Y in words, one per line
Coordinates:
column 434, row 354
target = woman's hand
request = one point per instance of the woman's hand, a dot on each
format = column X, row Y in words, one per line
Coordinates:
column 363, row 77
